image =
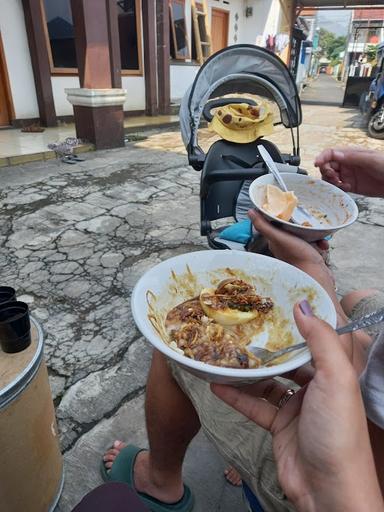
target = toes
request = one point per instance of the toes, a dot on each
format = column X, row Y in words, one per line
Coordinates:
column 110, row 457
column 111, row 453
column 116, row 448
column 232, row 476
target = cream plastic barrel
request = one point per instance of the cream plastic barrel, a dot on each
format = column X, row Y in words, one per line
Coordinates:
column 31, row 472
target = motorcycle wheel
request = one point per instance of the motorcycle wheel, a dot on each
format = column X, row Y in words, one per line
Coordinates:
column 376, row 124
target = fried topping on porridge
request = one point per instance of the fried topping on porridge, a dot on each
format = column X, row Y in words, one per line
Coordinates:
column 216, row 327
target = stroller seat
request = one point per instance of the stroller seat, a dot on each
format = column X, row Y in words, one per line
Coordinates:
column 228, row 170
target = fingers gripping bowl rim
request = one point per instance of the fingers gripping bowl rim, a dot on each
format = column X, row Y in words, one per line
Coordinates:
column 284, row 283
column 331, row 205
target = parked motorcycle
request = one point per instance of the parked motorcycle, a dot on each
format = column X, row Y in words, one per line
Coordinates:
column 372, row 104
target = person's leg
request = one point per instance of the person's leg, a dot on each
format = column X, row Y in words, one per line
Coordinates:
column 241, row 443
column 350, row 300
column 172, row 423
column 359, row 303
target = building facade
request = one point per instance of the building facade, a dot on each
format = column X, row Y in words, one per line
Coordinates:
column 367, row 30
column 38, row 53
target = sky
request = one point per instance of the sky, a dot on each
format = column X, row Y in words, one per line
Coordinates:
column 334, row 21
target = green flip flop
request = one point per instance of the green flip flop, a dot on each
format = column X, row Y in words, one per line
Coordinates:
column 122, row 471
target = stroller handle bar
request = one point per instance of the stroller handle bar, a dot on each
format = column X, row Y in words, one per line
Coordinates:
column 251, row 173
column 239, row 174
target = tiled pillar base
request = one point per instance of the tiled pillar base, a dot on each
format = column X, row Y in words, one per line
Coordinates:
column 103, row 126
column 99, row 116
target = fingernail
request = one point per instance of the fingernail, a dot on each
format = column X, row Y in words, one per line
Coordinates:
column 306, row 308
column 328, row 237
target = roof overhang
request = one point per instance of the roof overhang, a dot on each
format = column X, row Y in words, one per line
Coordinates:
column 341, row 4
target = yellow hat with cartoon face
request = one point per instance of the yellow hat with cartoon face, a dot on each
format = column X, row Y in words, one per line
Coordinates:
column 242, row 123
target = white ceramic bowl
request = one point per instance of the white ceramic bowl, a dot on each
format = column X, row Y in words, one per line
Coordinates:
column 319, row 197
column 181, row 278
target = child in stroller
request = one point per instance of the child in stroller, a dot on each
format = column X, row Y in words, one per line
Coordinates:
column 229, row 167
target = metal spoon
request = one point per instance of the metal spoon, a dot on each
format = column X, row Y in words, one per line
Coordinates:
column 300, row 215
column 266, row 356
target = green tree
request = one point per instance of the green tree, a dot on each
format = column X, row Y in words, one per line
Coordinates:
column 331, row 45
column 371, row 52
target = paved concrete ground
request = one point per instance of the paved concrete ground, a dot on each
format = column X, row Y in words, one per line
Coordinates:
column 75, row 239
column 323, row 90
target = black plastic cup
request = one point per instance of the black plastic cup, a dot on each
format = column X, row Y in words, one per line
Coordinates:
column 7, row 294
column 15, row 327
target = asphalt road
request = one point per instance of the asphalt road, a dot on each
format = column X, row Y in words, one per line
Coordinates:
column 324, row 90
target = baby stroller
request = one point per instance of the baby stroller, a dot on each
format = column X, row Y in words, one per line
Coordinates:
column 228, row 168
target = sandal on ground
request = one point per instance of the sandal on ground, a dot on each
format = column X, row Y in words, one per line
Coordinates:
column 122, row 471
column 68, row 160
column 77, row 158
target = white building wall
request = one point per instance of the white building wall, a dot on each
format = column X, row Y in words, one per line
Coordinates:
column 236, row 11
column 182, row 77
column 59, row 83
column 356, row 47
column 265, row 20
column 135, row 86
column 14, row 36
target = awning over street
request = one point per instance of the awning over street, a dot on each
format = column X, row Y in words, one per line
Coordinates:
column 332, row 4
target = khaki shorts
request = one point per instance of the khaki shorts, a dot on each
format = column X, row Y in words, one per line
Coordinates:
column 242, row 443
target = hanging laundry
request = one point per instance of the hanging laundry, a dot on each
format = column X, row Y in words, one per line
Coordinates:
column 270, row 43
column 281, row 42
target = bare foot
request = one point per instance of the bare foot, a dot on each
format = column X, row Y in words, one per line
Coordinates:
column 232, row 476
column 165, row 491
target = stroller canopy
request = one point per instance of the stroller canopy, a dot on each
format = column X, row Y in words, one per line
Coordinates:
column 240, row 69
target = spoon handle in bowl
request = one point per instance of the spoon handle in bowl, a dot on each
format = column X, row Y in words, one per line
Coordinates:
column 283, row 351
column 365, row 321
column 272, row 167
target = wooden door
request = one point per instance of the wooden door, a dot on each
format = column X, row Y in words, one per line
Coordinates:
column 5, row 103
column 219, row 29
